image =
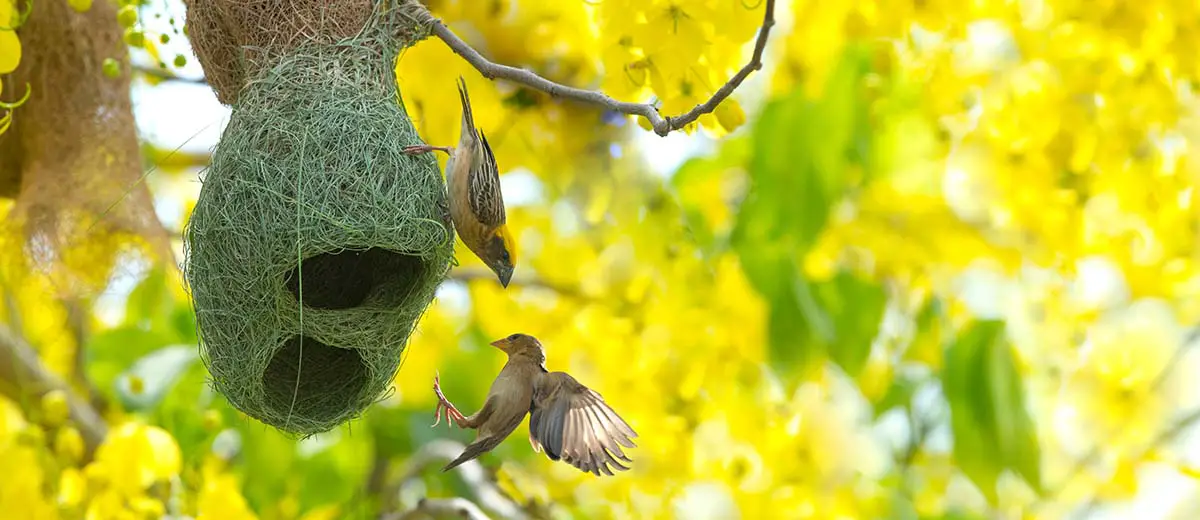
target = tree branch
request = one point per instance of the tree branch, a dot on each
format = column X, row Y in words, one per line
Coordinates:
column 662, row 126
column 23, row 378
column 77, row 322
column 472, row 473
column 439, row 508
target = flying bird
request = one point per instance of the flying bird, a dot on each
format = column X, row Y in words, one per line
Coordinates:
column 476, row 203
column 569, row 421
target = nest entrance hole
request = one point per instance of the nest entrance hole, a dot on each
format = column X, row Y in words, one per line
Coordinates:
column 307, row 378
column 348, row 278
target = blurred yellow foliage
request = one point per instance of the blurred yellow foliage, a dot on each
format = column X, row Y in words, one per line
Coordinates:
column 1030, row 163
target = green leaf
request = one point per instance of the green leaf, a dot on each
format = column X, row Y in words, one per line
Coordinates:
column 691, row 186
column 158, row 373
column 336, row 472
column 902, row 507
column 789, row 332
column 269, row 462
column 898, row 395
column 181, row 411
column 183, row 322
column 801, row 151
column 854, row 308
column 110, row 352
column 991, row 426
column 905, row 144
column 326, row 468
column 150, row 302
column 1016, row 435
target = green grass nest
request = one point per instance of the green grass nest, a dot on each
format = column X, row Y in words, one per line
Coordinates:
column 311, row 167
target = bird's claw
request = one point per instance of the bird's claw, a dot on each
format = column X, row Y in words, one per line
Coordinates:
column 444, row 404
column 417, row 149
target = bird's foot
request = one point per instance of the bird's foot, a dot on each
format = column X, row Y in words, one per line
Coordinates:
column 451, row 412
column 424, row 148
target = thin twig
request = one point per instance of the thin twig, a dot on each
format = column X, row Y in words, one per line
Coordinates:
column 472, row 473
column 23, row 378
column 662, row 126
column 440, row 508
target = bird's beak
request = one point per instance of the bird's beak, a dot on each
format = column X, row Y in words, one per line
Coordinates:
column 500, row 343
column 505, row 275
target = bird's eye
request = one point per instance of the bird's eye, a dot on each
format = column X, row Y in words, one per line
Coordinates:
column 513, row 337
column 504, row 255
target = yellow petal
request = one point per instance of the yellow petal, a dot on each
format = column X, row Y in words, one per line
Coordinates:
column 11, row 419
column 80, row 5
column 167, row 458
column 54, row 408
column 136, row 455
column 730, row 114
column 68, row 444
column 72, row 486
column 10, row 50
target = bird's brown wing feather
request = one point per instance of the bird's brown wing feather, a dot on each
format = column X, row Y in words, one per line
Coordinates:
column 572, row 422
column 487, row 201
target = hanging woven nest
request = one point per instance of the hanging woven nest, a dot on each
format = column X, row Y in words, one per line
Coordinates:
column 316, row 243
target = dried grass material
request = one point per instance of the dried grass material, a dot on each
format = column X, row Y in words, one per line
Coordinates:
column 71, row 158
column 311, row 166
column 234, row 39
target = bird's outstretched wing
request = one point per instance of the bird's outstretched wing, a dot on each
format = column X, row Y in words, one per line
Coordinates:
column 572, row 422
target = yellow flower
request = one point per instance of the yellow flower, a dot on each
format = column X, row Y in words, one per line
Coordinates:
column 135, row 455
column 54, row 408
column 23, row 481
column 1128, row 382
column 10, row 46
column 108, row 505
column 730, row 114
column 826, row 422
column 220, row 496
column 68, row 444
column 72, row 488
column 212, row 420
column 12, row 421
column 80, row 5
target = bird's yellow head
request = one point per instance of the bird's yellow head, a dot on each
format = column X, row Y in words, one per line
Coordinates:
column 521, row 345
column 500, row 254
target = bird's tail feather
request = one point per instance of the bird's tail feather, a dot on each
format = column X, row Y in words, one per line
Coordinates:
column 467, row 115
column 475, row 449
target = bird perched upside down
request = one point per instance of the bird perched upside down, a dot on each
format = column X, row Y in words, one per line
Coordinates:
column 476, row 203
column 569, row 421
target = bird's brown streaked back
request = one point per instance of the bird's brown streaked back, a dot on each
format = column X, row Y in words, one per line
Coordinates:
column 569, row 422
column 487, row 200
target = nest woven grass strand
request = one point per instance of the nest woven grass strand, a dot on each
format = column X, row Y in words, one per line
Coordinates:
column 316, row 243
